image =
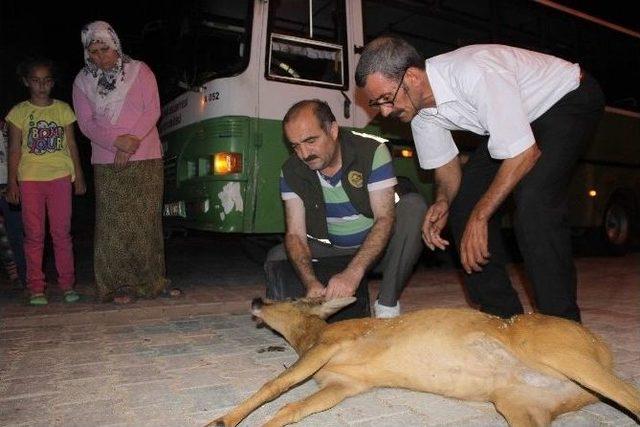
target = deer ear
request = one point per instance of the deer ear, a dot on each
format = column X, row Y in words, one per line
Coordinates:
column 334, row 305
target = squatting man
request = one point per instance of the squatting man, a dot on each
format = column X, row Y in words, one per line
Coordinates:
column 338, row 192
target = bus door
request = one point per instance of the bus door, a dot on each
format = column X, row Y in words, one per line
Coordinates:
column 307, row 52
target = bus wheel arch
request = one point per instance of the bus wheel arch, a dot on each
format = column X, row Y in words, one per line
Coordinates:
column 618, row 222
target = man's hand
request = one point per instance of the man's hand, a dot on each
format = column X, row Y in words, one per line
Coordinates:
column 127, row 143
column 315, row 289
column 474, row 247
column 121, row 159
column 434, row 221
column 474, row 252
column 343, row 284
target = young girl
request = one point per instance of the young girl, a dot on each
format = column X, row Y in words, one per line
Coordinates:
column 43, row 164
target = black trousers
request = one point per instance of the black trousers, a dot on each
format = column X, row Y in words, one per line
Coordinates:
column 541, row 221
column 397, row 264
column 283, row 283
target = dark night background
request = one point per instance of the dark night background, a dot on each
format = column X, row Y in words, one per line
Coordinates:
column 52, row 29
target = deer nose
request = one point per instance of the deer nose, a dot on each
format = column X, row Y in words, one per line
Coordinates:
column 256, row 304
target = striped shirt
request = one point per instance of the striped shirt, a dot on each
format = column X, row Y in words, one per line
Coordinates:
column 347, row 227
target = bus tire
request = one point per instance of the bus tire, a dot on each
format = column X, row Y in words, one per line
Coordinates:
column 617, row 225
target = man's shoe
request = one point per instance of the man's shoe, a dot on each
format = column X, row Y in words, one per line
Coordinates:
column 385, row 312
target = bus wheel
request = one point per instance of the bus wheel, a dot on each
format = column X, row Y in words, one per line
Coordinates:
column 616, row 226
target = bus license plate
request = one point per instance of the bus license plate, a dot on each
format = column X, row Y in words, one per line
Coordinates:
column 176, row 209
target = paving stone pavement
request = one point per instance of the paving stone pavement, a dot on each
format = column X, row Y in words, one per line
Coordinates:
column 184, row 362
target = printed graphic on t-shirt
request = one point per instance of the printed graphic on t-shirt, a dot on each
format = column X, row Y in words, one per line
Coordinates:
column 44, row 137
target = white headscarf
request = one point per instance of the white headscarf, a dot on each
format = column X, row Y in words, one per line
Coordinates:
column 108, row 89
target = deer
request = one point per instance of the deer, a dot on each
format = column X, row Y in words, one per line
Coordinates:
column 532, row 367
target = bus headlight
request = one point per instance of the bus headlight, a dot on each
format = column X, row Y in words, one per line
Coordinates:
column 226, row 163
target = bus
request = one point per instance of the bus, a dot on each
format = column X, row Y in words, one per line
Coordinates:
column 231, row 69
column 249, row 61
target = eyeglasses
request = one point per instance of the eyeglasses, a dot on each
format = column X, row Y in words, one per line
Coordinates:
column 379, row 104
column 44, row 81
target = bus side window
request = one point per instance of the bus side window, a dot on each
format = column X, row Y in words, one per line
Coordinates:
column 307, row 43
column 293, row 58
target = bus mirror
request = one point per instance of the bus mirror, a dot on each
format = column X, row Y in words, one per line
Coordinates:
column 347, row 105
column 186, row 86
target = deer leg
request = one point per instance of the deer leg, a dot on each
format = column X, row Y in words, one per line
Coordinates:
column 304, row 367
column 518, row 414
column 325, row 398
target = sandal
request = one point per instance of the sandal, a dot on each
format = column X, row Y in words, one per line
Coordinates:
column 123, row 299
column 171, row 293
column 71, row 296
column 38, row 299
column 124, row 296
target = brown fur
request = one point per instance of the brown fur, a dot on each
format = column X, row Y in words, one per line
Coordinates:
column 532, row 367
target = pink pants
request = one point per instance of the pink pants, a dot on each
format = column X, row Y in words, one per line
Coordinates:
column 55, row 197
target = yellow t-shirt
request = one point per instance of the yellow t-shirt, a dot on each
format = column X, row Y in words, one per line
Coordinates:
column 45, row 153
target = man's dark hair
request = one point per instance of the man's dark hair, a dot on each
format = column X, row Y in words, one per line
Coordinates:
column 388, row 55
column 25, row 67
column 321, row 111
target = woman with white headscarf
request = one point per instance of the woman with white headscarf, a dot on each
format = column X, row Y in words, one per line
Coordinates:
column 117, row 105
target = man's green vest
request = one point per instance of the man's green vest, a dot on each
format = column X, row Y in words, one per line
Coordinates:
column 357, row 158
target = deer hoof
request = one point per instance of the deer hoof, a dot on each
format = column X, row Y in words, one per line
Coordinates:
column 217, row 423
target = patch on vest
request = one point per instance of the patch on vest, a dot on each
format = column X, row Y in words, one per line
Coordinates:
column 355, row 179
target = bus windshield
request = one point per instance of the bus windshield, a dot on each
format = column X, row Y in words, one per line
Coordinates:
column 216, row 39
column 200, row 41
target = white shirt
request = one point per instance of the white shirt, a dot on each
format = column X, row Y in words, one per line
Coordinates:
column 490, row 90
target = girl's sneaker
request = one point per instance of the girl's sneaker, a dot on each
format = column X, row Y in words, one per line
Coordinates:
column 71, row 296
column 38, row 299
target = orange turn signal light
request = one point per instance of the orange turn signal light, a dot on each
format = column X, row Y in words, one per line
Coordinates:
column 226, row 163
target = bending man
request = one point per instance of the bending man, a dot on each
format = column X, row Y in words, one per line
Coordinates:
column 538, row 111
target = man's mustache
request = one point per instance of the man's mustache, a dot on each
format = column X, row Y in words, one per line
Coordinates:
column 395, row 114
column 310, row 158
